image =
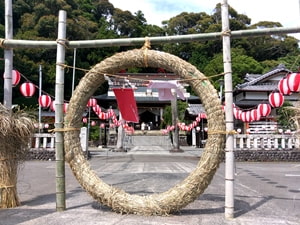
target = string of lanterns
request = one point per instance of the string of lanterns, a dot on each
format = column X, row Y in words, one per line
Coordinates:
column 286, row 86
column 110, row 114
column 184, row 127
column 28, row 89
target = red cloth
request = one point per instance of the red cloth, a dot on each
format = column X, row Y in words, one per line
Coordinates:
column 127, row 104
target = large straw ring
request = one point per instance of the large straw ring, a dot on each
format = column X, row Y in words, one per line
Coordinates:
column 184, row 192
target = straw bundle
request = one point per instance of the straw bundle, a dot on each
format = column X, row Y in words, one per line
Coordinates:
column 187, row 190
column 15, row 132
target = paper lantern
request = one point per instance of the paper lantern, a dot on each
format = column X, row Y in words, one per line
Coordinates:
column 65, row 107
column 264, row 109
column 84, row 120
column 27, row 89
column 283, row 87
column 293, row 81
column 92, row 102
column 276, row 99
column 45, row 101
column 16, row 77
column 254, row 114
column 203, row 116
column 93, row 123
column 246, row 116
column 52, row 106
column 97, row 109
column 237, row 113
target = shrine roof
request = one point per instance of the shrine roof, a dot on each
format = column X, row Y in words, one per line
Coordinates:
column 256, row 81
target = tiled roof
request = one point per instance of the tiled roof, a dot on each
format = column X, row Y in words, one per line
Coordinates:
column 256, row 79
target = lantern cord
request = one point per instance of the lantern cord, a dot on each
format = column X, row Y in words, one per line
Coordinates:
column 139, row 79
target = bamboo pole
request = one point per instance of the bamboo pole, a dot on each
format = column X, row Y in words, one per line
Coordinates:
column 59, row 101
column 40, row 93
column 153, row 40
column 229, row 154
column 8, row 56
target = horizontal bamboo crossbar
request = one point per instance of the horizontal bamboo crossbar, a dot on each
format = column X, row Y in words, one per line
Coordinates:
column 11, row 43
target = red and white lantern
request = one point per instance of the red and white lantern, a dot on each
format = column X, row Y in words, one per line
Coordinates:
column 246, row 116
column 293, row 81
column 97, row 109
column 27, row 89
column 254, row 114
column 276, row 99
column 264, row 109
column 16, row 77
column 45, row 101
column 203, row 116
column 283, row 87
column 237, row 113
column 52, row 106
column 65, row 107
column 92, row 102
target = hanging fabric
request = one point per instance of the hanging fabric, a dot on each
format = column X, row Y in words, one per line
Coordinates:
column 165, row 89
column 127, row 104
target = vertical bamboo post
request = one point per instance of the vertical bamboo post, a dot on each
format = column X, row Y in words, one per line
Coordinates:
column 229, row 154
column 59, row 101
column 74, row 70
column 8, row 56
column 40, row 93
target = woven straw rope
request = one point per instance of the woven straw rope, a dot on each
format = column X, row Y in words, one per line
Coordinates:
column 187, row 190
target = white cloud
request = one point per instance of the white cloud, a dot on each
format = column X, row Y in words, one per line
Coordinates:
column 155, row 11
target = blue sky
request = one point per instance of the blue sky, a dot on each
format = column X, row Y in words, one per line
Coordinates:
column 286, row 12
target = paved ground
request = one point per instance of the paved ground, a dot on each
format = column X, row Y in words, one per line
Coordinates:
column 265, row 193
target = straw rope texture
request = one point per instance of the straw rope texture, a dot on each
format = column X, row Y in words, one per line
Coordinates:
column 184, row 192
column 16, row 130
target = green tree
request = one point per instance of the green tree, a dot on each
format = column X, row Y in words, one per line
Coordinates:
column 241, row 65
column 181, row 107
column 286, row 113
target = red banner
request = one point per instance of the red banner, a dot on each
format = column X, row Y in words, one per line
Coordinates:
column 127, row 104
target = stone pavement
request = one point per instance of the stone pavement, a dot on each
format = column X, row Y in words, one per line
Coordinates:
column 265, row 193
